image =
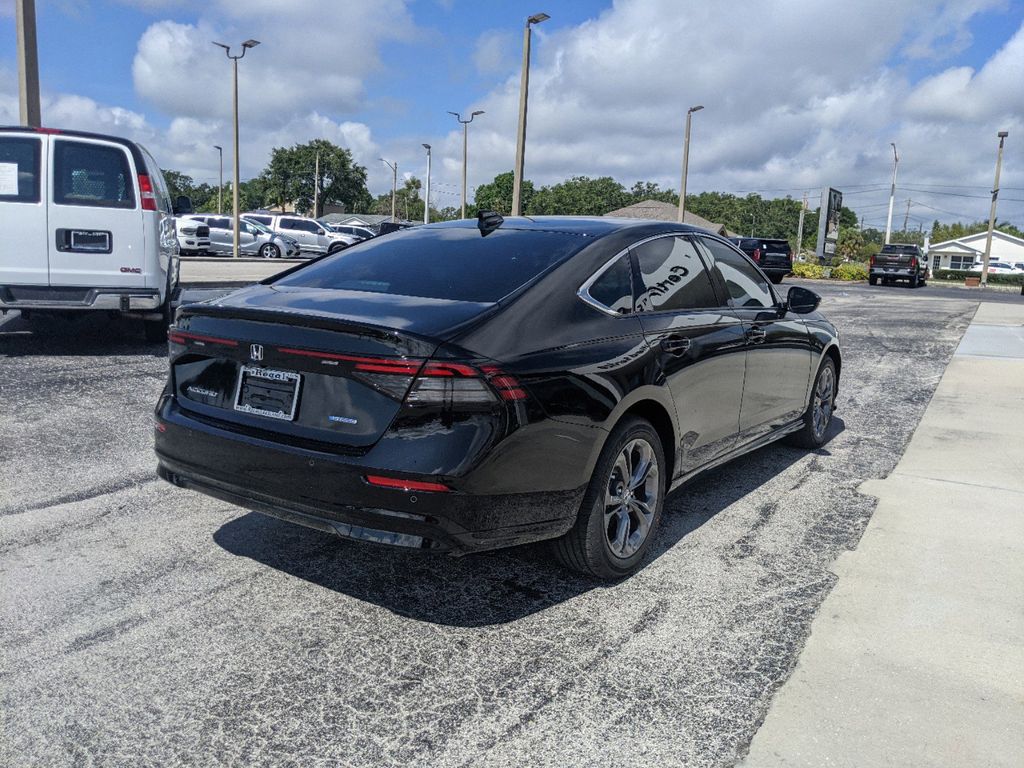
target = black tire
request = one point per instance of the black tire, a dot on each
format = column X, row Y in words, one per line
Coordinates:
column 335, row 248
column 587, row 548
column 776, row 279
column 811, row 436
column 914, row 281
column 156, row 330
column 872, row 280
column 270, row 251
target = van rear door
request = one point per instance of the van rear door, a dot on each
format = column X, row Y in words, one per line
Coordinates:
column 95, row 219
column 24, row 256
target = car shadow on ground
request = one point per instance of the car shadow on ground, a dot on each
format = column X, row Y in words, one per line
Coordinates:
column 92, row 335
column 488, row 588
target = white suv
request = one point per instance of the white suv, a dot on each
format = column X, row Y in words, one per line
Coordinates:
column 313, row 237
column 88, row 224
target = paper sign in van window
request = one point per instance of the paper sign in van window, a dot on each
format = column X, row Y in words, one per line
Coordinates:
column 8, row 178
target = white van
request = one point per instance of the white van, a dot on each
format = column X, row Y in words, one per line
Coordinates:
column 87, row 224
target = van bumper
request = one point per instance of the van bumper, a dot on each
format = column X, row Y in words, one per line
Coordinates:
column 78, row 298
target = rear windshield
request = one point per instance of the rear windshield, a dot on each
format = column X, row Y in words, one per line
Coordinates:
column 775, row 245
column 19, row 169
column 92, row 174
column 455, row 263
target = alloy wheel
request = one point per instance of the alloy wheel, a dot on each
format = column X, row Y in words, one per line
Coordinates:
column 631, row 498
column 823, row 393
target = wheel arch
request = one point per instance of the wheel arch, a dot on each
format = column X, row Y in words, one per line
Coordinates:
column 651, row 406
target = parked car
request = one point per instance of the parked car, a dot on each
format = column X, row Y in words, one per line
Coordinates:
column 996, row 268
column 774, row 256
column 454, row 388
column 363, row 233
column 254, row 239
column 898, row 261
column 88, row 225
column 193, row 236
column 312, row 236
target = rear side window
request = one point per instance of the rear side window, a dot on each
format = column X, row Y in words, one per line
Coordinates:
column 262, row 219
column 455, row 263
column 613, row 289
column 746, row 286
column 673, row 276
column 93, row 175
column 19, row 169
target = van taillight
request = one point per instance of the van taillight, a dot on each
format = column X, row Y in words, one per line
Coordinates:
column 146, row 192
column 913, row 262
column 871, row 261
column 756, row 255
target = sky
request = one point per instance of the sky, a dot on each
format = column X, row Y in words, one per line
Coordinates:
column 797, row 95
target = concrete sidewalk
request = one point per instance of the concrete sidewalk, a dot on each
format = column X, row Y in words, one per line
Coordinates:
column 226, row 271
column 916, row 658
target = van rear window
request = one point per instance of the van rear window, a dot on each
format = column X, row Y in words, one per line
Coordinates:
column 92, row 175
column 19, row 169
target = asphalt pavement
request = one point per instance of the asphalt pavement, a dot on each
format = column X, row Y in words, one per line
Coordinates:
column 144, row 624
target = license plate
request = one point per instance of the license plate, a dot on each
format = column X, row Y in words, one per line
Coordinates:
column 90, row 241
column 266, row 392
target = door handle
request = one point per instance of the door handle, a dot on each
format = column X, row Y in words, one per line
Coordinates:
column 756, row 335
column 676, row 345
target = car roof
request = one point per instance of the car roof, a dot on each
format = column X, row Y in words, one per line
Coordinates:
column 593, row 226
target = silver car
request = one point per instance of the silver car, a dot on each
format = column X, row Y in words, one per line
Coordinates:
column 254, row 239
column 313, row 237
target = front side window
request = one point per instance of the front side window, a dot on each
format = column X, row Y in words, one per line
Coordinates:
column 613, row 289
column 95, row 175
column 19, row 169
column 672, row 276
column 746, row 286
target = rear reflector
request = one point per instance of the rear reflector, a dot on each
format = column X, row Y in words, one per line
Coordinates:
column 146, row 193
column 406, row 485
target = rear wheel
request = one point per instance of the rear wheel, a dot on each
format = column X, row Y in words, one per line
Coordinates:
column 913, row 281
column 336, row 247
column 622, row 506
column 819, row 411
column 776, row 279
column 270, row 251
column 872, row 280
column 156, row 329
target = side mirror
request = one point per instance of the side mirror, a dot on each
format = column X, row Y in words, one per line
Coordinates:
column 801, row 301
column 182, row 205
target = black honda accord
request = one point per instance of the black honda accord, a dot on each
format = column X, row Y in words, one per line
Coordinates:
column 483, row 383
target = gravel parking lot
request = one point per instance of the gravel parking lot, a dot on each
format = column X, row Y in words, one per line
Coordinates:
column 147, row 625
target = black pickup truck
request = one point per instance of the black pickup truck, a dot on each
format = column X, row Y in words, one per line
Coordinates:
column 898, row 261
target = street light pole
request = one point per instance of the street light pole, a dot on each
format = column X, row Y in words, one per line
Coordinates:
column 426, row 194
column 992, row 212
column 465, row 142
column 524, row 95
column 234, row 187
column 394, row 184
column 892, row 193
column 686, row 162
column 220, row 189
column 28, row 63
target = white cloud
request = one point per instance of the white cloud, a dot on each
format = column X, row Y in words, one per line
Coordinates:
column 494, row 52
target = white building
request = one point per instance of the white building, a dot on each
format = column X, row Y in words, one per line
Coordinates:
column 963, row 252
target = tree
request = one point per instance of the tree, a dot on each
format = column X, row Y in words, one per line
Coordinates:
column 179, row 184
column 647, row 190
column 942, row 232
column 290, row 177
column 497, row 196
column 580, row 196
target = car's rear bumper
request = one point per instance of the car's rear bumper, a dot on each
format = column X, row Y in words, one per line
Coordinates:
column 329, row 492
column 78, row 298
column 898, row 272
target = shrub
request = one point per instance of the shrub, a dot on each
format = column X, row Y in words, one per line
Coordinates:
column 958, row 275
column 851, row 270
column 807, row 269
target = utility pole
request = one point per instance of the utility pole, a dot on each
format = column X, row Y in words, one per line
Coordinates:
column 992, row 213
column 220, row 189
column 892, row 193
column 316, row 187
column 686, row 164
column 906, row 218
column 426, row 193
column 28, row 63
column 465, row 143
column 394, row 184
column 800, row 226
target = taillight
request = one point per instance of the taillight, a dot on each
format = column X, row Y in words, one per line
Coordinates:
column 756, row 255
column 871, row 261
column 913, row 262
column 146, row 193
column 182, row 337
column 460, row 384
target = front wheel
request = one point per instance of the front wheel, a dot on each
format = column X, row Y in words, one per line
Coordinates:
column 776, row 279
column 819, row 411
column 872, row 280
column 270, row 251
column 622, row 506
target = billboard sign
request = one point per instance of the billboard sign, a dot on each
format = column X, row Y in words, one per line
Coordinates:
column 828, row 223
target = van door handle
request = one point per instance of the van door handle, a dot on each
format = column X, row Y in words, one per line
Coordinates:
column 676, row 345
column 756, row 335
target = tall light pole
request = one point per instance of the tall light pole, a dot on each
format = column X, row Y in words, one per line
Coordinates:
column 524, row 95
column 220, row 189
column 28, row 63
column 686, row 162
column 394, row 184
column 234, row 187
column 426, row 194
column 992, row 212
column 892, row 193
column 465, row 142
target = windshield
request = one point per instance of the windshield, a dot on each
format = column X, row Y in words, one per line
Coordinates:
column 455, row 263
column 261, row 228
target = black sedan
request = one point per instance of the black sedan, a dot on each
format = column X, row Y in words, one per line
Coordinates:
column 478, row 384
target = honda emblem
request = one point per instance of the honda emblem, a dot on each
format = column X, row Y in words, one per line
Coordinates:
column 256, row 352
